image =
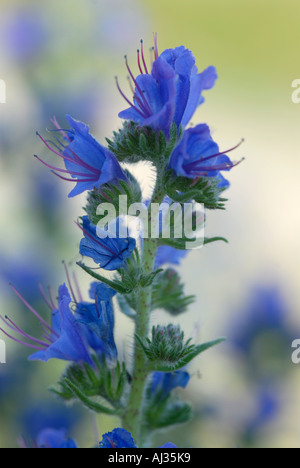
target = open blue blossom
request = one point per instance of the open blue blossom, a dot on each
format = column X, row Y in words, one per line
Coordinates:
column 170, row 92
column 162, row 383
column 118, row 438
column 88, row 162
column 61, row 340
column 98, row 321
column 197, row 155
column 108, row 251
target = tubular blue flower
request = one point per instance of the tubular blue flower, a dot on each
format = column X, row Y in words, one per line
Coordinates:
column 61, row 340
column 197, row 155
column 98, row 321
column 109, row 251
column 88, row 162
column 170, row 92
column 162, row 383
column 118, row 438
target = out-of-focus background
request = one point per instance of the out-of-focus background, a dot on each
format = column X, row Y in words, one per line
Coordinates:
column 60, row 58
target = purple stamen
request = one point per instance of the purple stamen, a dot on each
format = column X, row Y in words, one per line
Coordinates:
column 227, row 165
column 9, row 323
column 80, row 174
column 127, row 100
column 139, row 62
column 52, row 298
column 143, row 58
column 45, row 297
column 145, row 106
column 220, row 167
column 70, row 159
column 155, row 45
column 22, row 342
column 69, row 282
column 64, row 132
column 77, row 287
column 73, row 180
column 33, row 310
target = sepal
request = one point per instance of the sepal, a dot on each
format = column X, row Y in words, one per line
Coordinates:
column 134, row 143
column 129, row 191
column 202, row 190
column 167, row 413
column 167, row 351
column 168, row 293
column 87, row 384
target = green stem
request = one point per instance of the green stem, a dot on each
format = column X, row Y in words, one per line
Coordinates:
column 132, row 418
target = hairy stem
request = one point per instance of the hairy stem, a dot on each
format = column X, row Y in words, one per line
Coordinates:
column 132, row 419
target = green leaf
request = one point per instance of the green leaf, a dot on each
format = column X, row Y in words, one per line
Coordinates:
column 90, row 404
column 168, row 413
column 208, row 240
column 114, row 284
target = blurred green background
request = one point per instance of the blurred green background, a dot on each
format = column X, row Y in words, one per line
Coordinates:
column 61, row 57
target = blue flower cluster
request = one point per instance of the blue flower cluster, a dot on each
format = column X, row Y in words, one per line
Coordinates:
column 167, row 94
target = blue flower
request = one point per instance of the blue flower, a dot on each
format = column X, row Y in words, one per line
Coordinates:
column 197, row 155
column 170, row 92
column 54, row 438
column 264, row 313
column 166, row 254
column 25, row 33
column 61, row 340
column 267, row 408
column 108, row 251
column 168, row 445
column 162, row 383
column 88, row 162
column 98, row 320
column 118, row 438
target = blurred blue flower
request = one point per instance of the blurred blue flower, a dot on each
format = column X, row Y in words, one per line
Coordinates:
column 197, row 155
column 37, row 415
column 168, row 445
column 268, row 407
column 98, row 321
column 52, row 438
column 25, row 33
column 166, row 254
column 111, row 253
column 264, row 312
column 162, row 383
column 24, row 271
column 118, row 438
column 170, row 92
column 62, row 340
column 88, row 162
